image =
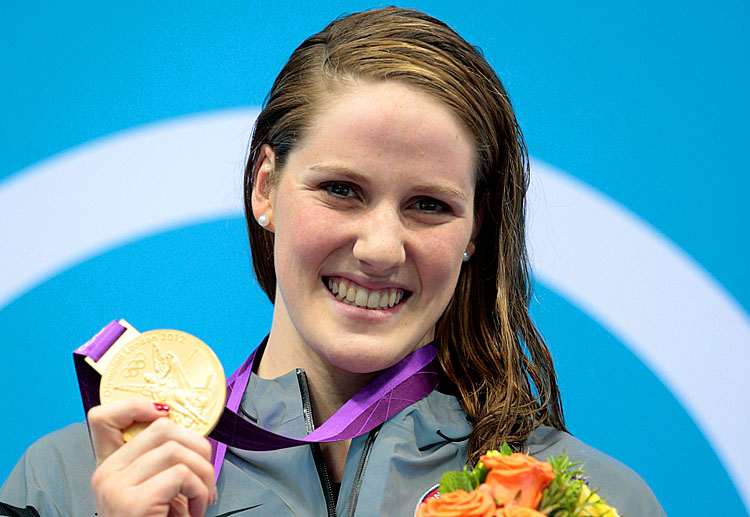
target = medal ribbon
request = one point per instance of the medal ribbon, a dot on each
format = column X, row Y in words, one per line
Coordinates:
column 406, row 382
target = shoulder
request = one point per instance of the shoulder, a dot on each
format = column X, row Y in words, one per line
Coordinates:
column 70, row 440
column 435, row 419
column 619, row 485
column 54, row 475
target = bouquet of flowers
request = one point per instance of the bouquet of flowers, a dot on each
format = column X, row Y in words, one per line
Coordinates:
column 508, row 484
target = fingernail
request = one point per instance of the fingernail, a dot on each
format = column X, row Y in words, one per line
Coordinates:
column 161, row 407
column 214, row 496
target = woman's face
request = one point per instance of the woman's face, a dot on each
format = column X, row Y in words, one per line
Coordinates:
column 372, row 214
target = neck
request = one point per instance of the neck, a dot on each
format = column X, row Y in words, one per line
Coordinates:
column 330, row 387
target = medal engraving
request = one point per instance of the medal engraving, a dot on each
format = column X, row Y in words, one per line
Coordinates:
column 169, row 367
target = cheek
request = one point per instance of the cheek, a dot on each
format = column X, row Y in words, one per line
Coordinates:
column 439, row 255
column 305, row 236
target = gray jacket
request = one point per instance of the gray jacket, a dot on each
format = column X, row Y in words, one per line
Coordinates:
column 387, row 471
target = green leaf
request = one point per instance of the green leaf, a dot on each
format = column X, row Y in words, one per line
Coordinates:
column 505, row 450
column 461, row 480
column 560, row 498
column 480, row 473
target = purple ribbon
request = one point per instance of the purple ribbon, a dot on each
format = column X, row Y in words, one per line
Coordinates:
column 406, row 382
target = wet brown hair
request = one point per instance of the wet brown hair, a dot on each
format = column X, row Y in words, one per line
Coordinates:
column 488, row 347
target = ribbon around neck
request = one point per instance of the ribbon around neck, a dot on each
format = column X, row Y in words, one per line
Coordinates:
column 394, row 389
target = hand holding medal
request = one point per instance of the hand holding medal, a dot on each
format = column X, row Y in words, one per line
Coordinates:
column 160, row 391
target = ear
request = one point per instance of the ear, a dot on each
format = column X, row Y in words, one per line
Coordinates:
column 471, row 247
column 262, row 198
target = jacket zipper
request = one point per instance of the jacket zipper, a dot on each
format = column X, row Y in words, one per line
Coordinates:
column 325, row 481
column 354, row 495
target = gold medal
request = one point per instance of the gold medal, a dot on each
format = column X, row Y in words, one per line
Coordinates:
column 167, row 367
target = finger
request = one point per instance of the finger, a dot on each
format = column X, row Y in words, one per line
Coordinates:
column 165, row 486
column 108, row 421
column 178, row 507
column 155, row 435
column 164, row 457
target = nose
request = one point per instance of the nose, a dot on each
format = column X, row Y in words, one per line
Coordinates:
column 379, row 245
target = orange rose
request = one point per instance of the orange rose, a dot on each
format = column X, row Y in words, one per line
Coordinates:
column 517, row 511
column 458, row 504
column 517, row 477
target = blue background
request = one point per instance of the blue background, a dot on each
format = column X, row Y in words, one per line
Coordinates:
column 647, row 103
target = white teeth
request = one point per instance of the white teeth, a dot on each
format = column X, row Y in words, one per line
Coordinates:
column 373, row 300
column 361, row 297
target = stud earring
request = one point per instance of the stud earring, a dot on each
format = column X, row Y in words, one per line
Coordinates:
column 466, row 256
column 263, row 220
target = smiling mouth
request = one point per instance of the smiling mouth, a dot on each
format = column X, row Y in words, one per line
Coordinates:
column 375, row 299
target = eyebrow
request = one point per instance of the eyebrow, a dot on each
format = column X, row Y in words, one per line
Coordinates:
column 342, row 171
column 361, row 178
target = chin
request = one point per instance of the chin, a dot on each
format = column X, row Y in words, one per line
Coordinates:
column 367, row 356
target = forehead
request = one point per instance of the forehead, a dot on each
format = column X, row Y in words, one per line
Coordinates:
column 390, row 127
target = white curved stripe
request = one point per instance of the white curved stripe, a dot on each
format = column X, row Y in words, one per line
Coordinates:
column 105, row 193
column 652, row 296
column 608, row 262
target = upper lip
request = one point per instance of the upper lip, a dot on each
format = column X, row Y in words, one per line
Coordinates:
column 369, row 283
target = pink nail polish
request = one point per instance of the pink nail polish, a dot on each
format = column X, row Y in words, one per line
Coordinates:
column 161, row 407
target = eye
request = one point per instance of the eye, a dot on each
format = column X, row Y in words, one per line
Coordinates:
column 428, row 204
column 339, row 190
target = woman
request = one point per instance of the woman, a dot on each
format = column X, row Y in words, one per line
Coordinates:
column 385, row 206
